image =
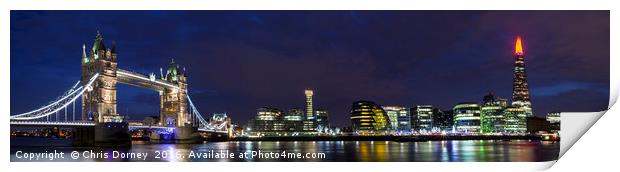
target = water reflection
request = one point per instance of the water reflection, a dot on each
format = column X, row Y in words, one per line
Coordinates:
column 446, row 151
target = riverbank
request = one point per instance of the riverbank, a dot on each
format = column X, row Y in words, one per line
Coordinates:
column 395, row 138
column 419, row 138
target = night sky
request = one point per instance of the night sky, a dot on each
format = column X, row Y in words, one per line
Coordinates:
column 238, row 61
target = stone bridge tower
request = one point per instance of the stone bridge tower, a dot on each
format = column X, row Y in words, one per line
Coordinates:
column 173, row 102
column 99, row 102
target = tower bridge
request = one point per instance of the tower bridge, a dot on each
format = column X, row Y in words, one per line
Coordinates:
column 98, row 92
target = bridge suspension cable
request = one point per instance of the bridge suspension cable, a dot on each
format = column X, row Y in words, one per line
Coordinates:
column 202, row 122
column 61, row 103
column 64, row 96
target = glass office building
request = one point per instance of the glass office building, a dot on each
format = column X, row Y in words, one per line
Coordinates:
column 492, row 114
column 467, row 117
column 442, row 120
column 322, row 118
column 294, row 120
column 515, row 120
column 399, row 117
column 267, row 119
column 368, row 118
column 424, row 115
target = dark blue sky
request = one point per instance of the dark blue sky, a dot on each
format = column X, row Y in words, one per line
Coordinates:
column 238, row 61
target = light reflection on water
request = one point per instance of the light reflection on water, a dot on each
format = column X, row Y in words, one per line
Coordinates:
column 446, row 151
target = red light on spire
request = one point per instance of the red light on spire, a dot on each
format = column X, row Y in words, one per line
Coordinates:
column 518, row 46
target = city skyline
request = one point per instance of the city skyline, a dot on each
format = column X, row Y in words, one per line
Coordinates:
column 249, row 71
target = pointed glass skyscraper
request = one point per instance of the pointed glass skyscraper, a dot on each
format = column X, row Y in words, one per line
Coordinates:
column 520, row 89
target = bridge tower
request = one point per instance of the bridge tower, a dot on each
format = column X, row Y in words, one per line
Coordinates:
column 99, row 101
column 173, row 102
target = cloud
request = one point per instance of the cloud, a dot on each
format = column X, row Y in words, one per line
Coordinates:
column 571, row 101
column 558, row 89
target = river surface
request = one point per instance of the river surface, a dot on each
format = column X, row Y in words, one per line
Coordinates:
column 27, row 149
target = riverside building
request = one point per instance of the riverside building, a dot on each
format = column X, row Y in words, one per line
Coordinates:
column 399, row 117
column 520, row 88
column 442, row 120
column 294, row 120
column 492, row 114
column 310, row 122
column 322, row 118
column 467, row 117
column 368, row 118
column 267, row 119
column 424, row 115
column 554, row 121
column 515, row 120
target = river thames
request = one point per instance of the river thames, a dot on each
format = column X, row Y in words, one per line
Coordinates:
column 314, row 151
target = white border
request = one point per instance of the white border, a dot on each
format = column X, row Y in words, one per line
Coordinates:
column 591, row 149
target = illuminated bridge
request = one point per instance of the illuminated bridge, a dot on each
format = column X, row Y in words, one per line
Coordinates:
column 97, row 93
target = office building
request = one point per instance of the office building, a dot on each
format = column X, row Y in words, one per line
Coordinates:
column 310, row 122
column 554, row 121
column 267, row 119
column 368, row 118
column 515, row 120
column 492, row 114
column 309, row 108
column 294, row 120
column 442, row 120
column 322, row 118
column 553, row 117
column 399, row 117
column 424, row 115
column 520, row 88
column 467, row 117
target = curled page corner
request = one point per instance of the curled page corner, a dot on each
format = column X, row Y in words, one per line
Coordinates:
column 574, row 125
column 545, row 165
